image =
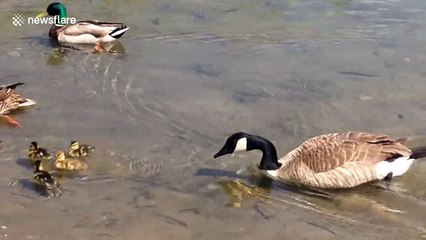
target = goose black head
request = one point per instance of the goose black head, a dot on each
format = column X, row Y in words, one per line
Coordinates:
column 242, row 141
column 237, row 142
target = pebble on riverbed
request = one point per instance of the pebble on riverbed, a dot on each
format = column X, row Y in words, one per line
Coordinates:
column 365, row 98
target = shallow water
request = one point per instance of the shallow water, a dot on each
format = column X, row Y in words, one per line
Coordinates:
column 189, row 74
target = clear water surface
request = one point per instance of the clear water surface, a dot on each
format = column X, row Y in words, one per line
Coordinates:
column 189, row 74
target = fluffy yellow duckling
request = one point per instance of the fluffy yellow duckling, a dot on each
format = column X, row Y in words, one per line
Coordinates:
column 77, row 150
column 68, row 164
column 35, row 152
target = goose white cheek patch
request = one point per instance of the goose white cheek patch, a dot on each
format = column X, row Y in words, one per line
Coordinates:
column 241, row 145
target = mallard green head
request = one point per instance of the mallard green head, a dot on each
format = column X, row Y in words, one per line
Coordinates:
column 54, row 9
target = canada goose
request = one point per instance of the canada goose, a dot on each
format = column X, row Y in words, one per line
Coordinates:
column 335, row 160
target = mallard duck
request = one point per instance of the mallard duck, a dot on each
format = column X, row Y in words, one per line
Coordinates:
column 10, row 100
column 44, row 178
column 81, row 32
column 64, row 163
column 335, row 160
column 77, row 150
column 35, row 153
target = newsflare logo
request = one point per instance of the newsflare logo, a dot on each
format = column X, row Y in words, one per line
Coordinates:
column 20, row 20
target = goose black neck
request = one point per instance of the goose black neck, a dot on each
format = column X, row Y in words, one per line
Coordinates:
column 269, row 158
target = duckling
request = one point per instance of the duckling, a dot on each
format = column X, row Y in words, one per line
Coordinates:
column 68, row 164
column 35, row 152
column 44, row 178
column 77, row 150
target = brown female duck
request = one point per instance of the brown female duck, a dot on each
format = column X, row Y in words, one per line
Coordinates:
column 10, row 100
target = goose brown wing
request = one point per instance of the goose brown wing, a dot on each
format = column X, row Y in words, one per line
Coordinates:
column 329, row 151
